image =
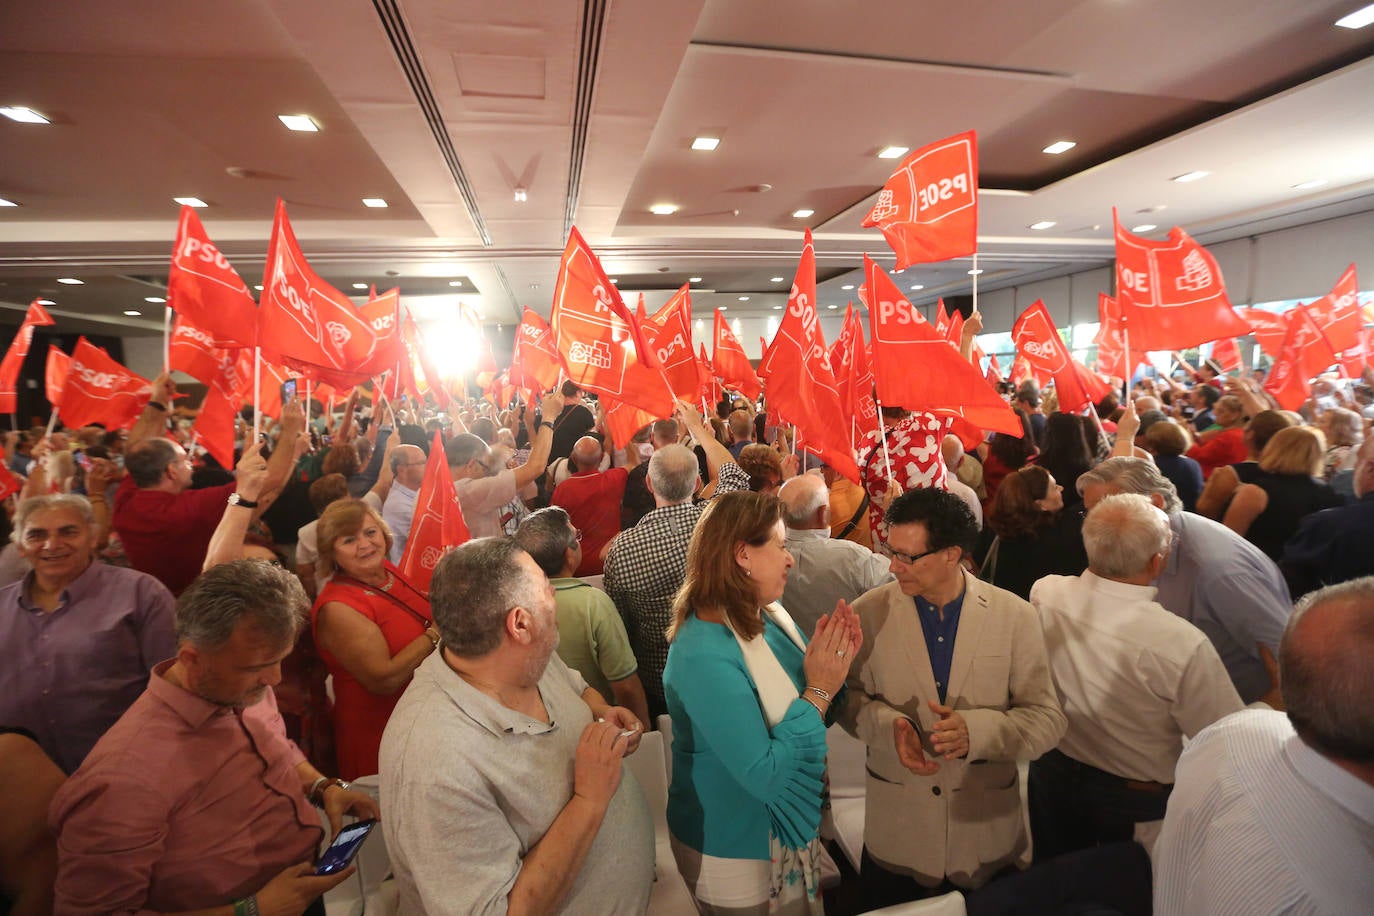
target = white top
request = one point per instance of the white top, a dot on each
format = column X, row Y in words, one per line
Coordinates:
column 397, row 512
column 1133, row 679
column 826, row 570
column 482, row 499
column 1261, row 823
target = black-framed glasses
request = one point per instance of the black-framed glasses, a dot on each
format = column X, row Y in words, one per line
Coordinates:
column 906, row 559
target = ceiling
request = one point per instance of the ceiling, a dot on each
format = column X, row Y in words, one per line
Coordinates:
column 444, row 108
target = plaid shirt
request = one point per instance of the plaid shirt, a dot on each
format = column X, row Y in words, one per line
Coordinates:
column 645, row 568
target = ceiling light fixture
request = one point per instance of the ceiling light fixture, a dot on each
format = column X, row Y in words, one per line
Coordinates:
column 663, row 209
column 455, row 283
column 694, row 279
column 832, row 306
column 24, row 115
column 153, row 299
column 190, row 202
column 7, row 203
column 776, row 279
column 1144, row 227
column 743, row 298
column 975, row 272
column 300, row 122
column 521, row 195
column 803, row 213
column 847, row 286
column 132, row 313
column 1190, row 176
column 615, row 280
column 1043, row 224
column 916, row 286
column 375, row 203
column 777, row 308
column 706, row 144
column 70, row 281
column 720, row 308
column 46, row 302
column 893, row 152
column 360, row 286
column 1358, row 19
column 1059, row 146
column 258, row 287
column 1309, row 185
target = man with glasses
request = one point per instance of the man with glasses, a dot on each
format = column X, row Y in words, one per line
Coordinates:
column 407, row 472
column 951, row 688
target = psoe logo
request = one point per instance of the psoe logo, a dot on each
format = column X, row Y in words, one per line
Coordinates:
column 338, row 334
column 597, row 354
column 430, row 557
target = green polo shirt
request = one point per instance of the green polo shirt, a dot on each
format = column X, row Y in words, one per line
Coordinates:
column 591, row 636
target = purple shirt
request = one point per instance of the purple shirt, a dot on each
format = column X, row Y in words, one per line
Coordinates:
column 183, row 805
column 67, row 676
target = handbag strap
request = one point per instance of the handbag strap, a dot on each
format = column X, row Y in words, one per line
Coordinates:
column 373, row 589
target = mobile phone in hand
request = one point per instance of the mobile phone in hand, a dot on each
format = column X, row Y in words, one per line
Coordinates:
column 288, row 390
column 344, row 849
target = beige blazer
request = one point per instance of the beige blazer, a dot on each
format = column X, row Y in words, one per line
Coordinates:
column 964, row 822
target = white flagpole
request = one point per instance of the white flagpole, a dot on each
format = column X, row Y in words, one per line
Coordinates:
column 975, row 281
column 1128, row 371
column 257, row 393
column 882, row 431
column 52, row 422
column 307, row 405
column 167, row 339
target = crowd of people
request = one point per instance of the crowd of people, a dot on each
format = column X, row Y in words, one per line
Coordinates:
column 1165, row 606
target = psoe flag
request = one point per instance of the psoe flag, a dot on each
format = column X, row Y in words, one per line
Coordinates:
column 928, row 210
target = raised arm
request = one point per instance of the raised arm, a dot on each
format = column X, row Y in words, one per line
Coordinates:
column 153, row 421
column 717, row 455
column 250, row 474
column 540, row 443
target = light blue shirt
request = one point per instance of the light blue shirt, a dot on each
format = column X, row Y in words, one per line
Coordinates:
column 397, row 512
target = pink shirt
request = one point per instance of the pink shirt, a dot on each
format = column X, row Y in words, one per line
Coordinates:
column 183, row 805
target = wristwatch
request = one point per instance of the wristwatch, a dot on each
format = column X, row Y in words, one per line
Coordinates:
column 237, row 500
column 316, row 794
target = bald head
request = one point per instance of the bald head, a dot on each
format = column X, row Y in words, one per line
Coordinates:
column 952, row 450
column 408, row 465
column 1148, row 402
column 805, row 502
column 586, row 453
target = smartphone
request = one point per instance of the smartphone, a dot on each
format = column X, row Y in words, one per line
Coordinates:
column 344, row 849
column 288, row 390
column 82, row 461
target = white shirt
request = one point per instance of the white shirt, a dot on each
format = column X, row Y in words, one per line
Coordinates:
column 397, row 512
column 482, row 499
column 1261, row 823
column 1133, row 679
column 827, row 570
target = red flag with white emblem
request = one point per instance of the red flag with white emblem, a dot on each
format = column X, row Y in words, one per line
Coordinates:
column 18, row 351
column 1338, row 312
column 1039, row 342
column 1269, row 329
column 928, row 210
column 204, row 288
column 536, row 354
column 730, row 362
column 438, row 524
column 100, row 390
column 669, row 333
column 55, row 375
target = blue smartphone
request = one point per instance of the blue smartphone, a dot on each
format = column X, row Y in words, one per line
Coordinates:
column 344, row 849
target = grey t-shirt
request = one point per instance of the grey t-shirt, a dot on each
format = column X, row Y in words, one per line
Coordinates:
column 470, row 786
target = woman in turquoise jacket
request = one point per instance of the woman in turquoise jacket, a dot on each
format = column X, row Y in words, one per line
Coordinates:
column 749, row 698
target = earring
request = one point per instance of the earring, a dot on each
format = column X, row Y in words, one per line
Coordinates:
column 748, row 571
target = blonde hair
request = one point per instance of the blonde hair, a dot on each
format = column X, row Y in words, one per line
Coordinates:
column 1295, row 450
column 714, row 579
column 1166, row 437
column 344, row 517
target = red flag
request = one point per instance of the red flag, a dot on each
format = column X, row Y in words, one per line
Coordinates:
column 1021, row 371
column 1269, row 329
column 100, row 390
column 914, row 367
column 1171, row 292
column 641, row 313
column 411, row 331
column 383, row 314
column 955, row 332
column 624, row 420
column 1111, row 343
column 670, row 335
column 214, row 426
column 536, row 354
column 849, row 359
column 1308, row 343
column 1354, row 359
column 994, row 372
column 204, row 288
column 801, row 382
column 273, row 377
column 941, row 318
column 438, row 524
column 1226, row 353
column 710, row 385
column 1338, row 312
column 9, row 484
column 731, row 364
column 1288, row 381
column 55, row 375
column 192, row 350
column 602, row 345
column 305, row 323
column 928, row 210
column 36, row 316
column 1038, row 340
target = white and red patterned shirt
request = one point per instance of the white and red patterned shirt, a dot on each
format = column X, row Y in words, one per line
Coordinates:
column 913, row 447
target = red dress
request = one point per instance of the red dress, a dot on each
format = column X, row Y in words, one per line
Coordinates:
column 1225, row 448
column 401, row 613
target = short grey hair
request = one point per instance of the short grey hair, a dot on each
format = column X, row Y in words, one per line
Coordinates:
column 802, row 497
column 149, row 460
column 269, row 596
column 464, row 448
column 1326, row 681
column 79, row 504
column 1123, row 533
column 674, row 472
column 474, row 587
column 1133, row 475
column 546, row 535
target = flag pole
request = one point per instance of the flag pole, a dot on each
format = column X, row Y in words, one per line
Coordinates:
column 882, row 431
column 975, row 281
column 167, row 338
column 52, row 422
column 1128, row 369
column 257, row 393
column 307, row 404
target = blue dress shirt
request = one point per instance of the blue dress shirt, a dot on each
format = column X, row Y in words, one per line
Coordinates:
column 940, row 636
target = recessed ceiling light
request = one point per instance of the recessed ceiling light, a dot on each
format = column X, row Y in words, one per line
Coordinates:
column 455, row 283
column 1308, row 185
column 1190, row 176
column 375, row 203
column 847, row 286
column 46, row 302
column 705, row 143
column 614, row 280
column 1358, row 19
column 190, row 201
column 258, row 287
column 1059, row 146
column 832, row 306
column 663, row 209
column 777, row 308
column 1144, row 227
column 360, row 286
column 521, row 195
column 23, row 115
column 303, row 123
column 916, row 286
column 70, row 281
column 722, row 308
column 1043, row 224
column 743, row 298
column 7, row 203
column 803, row 213
column 132, row 313
column 694, row 279
column 153, row 299
column 975, row 272
column 893, row 152
column 776, row 279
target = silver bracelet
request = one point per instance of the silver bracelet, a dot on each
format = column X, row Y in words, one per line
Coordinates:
column 814, row 706
column 820, row 693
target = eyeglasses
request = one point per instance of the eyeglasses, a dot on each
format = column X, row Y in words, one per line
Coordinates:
column 906, row 559
column 577, row 535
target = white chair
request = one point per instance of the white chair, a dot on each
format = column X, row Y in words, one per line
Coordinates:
column 846, row 759
column 669, row 896
column 665, row 728
column 951, row 904
column 371, row 890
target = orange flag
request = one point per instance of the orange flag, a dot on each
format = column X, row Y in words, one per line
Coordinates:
column 55, row 375
column 849, row 359
column 1338, row 312
column 1111, row 344
column 1269, row 329
column 928, row 210
column 670, row 334
column 537, row 363
column 730, row 363
column 438, row 524
column 204, row 288
column 1226, row 353
column 1038, row 340
column 100, row 390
